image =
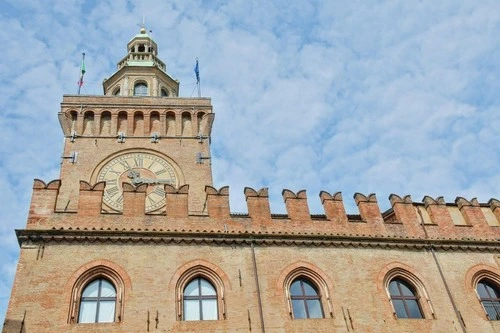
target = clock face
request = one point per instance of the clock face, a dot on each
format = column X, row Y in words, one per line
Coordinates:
column 137, row 169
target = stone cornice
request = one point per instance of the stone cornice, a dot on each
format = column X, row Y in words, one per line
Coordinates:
column 220, row 237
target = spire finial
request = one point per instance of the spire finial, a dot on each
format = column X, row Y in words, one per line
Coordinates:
column 143, row 25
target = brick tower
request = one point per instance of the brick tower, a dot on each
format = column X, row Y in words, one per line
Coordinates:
column 139, row 133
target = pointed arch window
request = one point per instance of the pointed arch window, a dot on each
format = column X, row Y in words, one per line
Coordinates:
column 489, row 295
column 200, row 300
column 306, row 300
column 98, row 302
column 140, row 89
column 404, row 299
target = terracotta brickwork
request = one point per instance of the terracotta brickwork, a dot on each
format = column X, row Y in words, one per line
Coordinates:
column 81, row 120
column 348, row 257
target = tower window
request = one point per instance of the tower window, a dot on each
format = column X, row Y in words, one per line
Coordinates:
column 116, row 92
column 140, row 89
column 164, row 92
column 98, row 302
column 489, row 295
column 404, row 299
column 142, row 48
column 200, row 300
column 306, row 302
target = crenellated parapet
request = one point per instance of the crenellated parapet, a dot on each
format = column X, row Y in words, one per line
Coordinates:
column 258, row 203
column 43, row 199
column 432, row 219
column 296, row 205
column 218, row 201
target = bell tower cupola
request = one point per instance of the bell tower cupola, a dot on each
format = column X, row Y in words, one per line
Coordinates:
column 141, row 72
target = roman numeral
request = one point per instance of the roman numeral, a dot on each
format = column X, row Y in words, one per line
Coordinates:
column 112, row 191
column 125, row 165
column 152, row 163
column 159, row 191
column 159, row 172
column 115, row 172
column 111, row 182
column 138, row 162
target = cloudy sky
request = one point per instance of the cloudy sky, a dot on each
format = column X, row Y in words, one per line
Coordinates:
column 354, row 96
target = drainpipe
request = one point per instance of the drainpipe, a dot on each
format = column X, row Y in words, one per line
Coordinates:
column 258, row 287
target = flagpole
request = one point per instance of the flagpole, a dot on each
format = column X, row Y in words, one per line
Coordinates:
column 197, row 73
column 82, row 72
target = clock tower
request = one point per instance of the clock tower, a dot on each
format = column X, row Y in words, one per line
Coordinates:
column 139, row 132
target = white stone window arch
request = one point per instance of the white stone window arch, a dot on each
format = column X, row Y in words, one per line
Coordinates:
column 486, row 285
column 99, row 285
column 197, row 288
column 405, row 291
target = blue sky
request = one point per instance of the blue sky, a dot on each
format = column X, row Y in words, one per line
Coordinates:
column 355, row 96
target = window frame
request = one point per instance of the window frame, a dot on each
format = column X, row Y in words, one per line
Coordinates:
column 493, row 285
column 400, row 271
column 314, row 275
column 207, row 273
column 84, row 276
column 304, row 297
column 405, row 298
column 141, row 84
column 97, row 300
column 199, row 298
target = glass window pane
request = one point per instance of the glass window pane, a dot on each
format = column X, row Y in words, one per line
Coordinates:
column 413, row 309
column 400, row 308
column 299, row 309
column 192, row 288
column 314, row 307
column 91, row 289
column 206, row 288
column 106, row 312
column 496, row 315
column 87, row 312
column 491, row 291
column 481, row 290
column 490, row 309
column 405, row 288
column 295, row 289
column 107, row 289
column 393, row 288
column 209, row 309
column 309, row 290
column 140, row 89
column 191, row 310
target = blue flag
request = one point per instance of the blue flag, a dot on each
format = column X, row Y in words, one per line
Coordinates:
column 197, row 71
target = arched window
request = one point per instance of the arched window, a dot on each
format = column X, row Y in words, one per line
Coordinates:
column 98, row 302
column 116, row 92
column 489, row 295
column 164, row 92
column 200, row 300
column 404, row 299
column 140, row 89
column 306, row 301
